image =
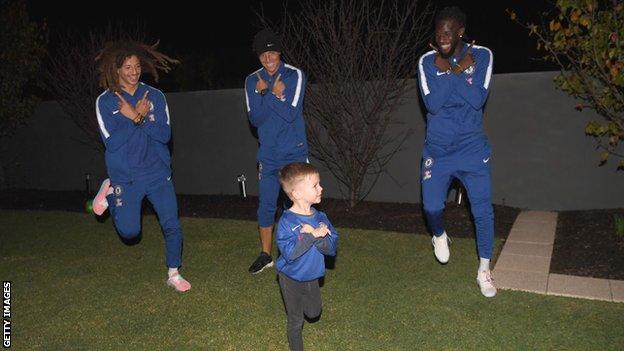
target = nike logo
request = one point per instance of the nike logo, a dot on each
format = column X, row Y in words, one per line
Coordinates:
column 115, row 112
column 485, row 160
column 269, row 45
column 169, row 178
column 293, row 228
column 440, row 73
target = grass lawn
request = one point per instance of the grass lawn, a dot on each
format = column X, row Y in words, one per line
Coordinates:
column 76, row 286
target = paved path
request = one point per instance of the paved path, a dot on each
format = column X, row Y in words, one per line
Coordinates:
column 524, row 263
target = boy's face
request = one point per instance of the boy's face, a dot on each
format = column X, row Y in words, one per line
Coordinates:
column 308, row 190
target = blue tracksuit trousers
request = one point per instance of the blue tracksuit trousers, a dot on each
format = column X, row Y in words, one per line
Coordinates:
column 471, row 165
column 125, row 209
column 269, row 189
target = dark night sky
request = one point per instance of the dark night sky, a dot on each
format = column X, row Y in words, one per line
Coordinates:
column 189, row 33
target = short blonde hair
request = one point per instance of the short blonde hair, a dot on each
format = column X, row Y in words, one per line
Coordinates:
column 293, row 173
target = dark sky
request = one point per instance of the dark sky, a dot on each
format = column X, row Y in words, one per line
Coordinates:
column 223, row 37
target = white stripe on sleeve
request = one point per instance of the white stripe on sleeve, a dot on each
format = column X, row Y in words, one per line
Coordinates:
column 421, row 71
column 488, row 73
column 99, row 117
column 167, row 112
column 166, row 105
column 246, row 94
column 299, row 84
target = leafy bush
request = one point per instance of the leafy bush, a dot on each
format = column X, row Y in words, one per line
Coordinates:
column 585, row 38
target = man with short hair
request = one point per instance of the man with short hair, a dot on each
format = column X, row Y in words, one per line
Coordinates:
column 274, row 97
column 454, row 81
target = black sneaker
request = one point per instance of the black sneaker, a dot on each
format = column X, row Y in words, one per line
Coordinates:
column 263, row 261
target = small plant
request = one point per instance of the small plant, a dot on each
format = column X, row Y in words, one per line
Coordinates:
column 619, row 225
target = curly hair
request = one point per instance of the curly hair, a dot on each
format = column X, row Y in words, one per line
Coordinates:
column 452, row 13
column 115, row 53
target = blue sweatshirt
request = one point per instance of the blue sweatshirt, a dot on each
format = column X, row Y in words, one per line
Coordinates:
column 281, row 128
column 135, row 151
column 302, row 255
column 455, row 101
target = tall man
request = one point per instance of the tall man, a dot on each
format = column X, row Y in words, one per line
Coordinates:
column 274, row 96
column 135, row 125
column 454, row 81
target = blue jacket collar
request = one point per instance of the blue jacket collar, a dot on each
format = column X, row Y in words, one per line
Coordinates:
column 141, row 87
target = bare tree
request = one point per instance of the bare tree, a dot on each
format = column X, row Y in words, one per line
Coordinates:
column 73, row 77
column 360, row 56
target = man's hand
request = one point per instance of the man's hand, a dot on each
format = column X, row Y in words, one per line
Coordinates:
column 144, row 105
column 279, row 87
column 261, row 86
column 127, row 110
column 466, row 61
column 441, row 63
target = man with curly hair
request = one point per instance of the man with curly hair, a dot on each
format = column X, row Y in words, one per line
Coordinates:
column 135, row 126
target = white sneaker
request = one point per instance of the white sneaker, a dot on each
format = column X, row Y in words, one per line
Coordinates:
column 486, row 283
column 441, row 248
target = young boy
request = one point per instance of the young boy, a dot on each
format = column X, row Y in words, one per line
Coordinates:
column 304, row 236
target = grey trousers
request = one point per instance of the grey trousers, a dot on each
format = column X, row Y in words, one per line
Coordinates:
column 299, row 298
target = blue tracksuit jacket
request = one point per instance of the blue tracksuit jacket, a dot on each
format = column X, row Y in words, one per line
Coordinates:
column 454, row 102
column 135, row 151
column 456, row 146
column 302, row 255
column 281, row 128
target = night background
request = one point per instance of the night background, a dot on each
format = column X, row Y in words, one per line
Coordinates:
column 215, row 45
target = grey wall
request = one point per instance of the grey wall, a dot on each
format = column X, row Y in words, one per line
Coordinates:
column 541, row 159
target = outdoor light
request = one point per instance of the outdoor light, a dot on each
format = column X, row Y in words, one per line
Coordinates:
column 241, row 182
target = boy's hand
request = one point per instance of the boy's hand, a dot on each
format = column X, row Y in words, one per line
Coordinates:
column 306, row 228
column 319, row 232
column 324, row 226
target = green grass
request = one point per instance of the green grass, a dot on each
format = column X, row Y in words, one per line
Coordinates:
column 619, row 225
column 76, row 286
